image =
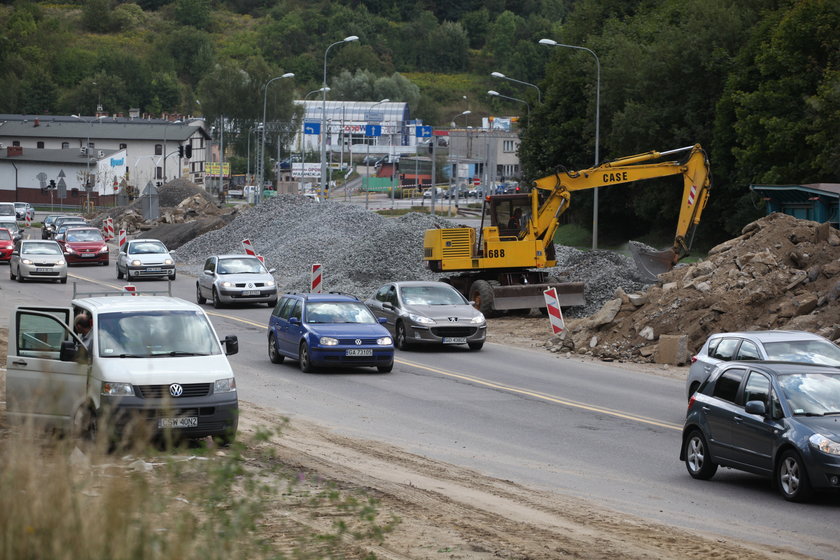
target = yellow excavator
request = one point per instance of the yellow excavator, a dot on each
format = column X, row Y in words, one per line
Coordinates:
column 502, row 265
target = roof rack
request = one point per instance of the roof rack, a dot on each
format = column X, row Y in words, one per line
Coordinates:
column 109, row 293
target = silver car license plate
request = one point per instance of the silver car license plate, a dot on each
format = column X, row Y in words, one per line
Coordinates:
column 250, row 292
column 359, row 352
column 85, row 255
column 43, row 270
column 455, row 340
column 183, row 422
column 153, row 269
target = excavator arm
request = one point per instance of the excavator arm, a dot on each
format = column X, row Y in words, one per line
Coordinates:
column 696, row 185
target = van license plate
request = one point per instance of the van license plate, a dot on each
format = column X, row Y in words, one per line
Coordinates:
column 184, row 422
column 359, row 352
column 455, row 340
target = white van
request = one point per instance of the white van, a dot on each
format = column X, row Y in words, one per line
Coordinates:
column 8, row 214
column 153, row 358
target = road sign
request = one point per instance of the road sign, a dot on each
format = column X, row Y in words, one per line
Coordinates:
column 555, row 315
column 373, row 130
column 62, row 188
column 312, row 128
column 423, row 132
column 476, row 181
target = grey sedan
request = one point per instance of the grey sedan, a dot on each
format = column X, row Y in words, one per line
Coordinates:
column 428, row 313
column 38, row 260
column 235, row 279
column 782, row 346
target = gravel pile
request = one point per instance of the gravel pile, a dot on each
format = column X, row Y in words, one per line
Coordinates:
column 361, row 250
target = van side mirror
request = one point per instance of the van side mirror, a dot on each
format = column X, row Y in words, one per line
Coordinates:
column 388, row 305
column 231, row 344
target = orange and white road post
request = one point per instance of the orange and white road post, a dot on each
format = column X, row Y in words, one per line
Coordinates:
column 121, row 239
column 316, row 279
column 555, row 315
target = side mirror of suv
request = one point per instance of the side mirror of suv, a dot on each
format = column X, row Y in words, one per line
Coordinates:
column 755, row 407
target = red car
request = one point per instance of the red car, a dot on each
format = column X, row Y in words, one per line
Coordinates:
column 7, row 245
column 85, row 245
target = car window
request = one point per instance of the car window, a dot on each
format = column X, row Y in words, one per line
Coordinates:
column 382, row 293
column 7, row 210
column 83, row 235
column 726, row 385
column 808, row 351
column 244, row 265
column 391, row 296
column 725, row 349
column 812, row 393
column 38, row 248
column 5, row 235
column 286, row 309
column 296, row 309
column 431, row 295
column 146, row 248
column 748, row 351
column 757, row 388
column 338, row 312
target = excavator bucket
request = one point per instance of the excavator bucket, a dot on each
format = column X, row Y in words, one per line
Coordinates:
column 652, row 263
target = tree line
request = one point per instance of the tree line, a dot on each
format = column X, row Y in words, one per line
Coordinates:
column 755, row 82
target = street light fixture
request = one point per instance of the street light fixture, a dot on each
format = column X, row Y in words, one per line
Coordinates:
column 493, row 93
column 260, row 164
column 553, row 43
column 461, row 114
column 503, row 77
column 87, row 153
column 324, row 88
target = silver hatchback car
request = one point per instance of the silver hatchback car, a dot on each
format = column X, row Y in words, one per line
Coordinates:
column 36, row 259
column 428, row 312
column 145, row 258
column 778, row 346
column 228, row 279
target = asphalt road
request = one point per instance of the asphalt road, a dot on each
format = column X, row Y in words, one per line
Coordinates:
column 589, row 430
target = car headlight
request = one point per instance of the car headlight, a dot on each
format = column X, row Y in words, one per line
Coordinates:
column 59, row 263
column 26, row 261
column 227, row 385
column 167, row 261
column 478, row 319
column 114, row 389
column 136, row 262
column 384, row 341
column 421, row 319
column 104, row 249
column 227, row 284
column 328, row 341
column 824, row 444
column 269, row 283
column 69, row 250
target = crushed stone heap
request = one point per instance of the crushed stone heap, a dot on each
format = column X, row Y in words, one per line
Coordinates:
column 780, row 273
column 361, row 250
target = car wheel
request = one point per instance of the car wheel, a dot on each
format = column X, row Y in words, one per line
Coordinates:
column 792, row 477
column 105, row 263
column 698, row 460
column 476, row 345
column 19, row 276
column 84, row 424
column 217, row 303
column 119, row 273
column 271, row 304
column 305, row 359
column 11, row 274
column 400, row 340
column 385, row 369
column 273, row 355
column 198, row 297
column 64, row 280
column 173, row 275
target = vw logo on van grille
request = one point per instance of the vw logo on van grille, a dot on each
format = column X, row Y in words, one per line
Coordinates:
column 176, row 390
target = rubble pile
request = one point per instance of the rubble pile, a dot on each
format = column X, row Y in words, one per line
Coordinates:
column 780, row 273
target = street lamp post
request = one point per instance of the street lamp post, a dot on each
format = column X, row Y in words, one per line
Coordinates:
column 493, row 93
column 260, row 164
column 324, row 182
column 87, row 153
column 165, row 129
column 553, row 43
column 503, row 77
column 461, row 114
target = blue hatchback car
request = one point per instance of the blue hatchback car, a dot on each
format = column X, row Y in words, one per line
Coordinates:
column 328, row 331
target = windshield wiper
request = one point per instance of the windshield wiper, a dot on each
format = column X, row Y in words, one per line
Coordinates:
column 134, row 356
column 181, row 353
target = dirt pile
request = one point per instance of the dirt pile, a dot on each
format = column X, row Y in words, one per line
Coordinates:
column 780, row 273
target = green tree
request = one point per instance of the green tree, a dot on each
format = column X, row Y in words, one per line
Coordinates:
column 446, row 49
column 96, row 15
column 195, row 13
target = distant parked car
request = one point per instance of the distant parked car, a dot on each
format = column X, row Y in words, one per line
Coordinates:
column 36, row 259
column 23, row 209
column 14, row 229
column 417, row 312
column 230, row 279
column 62, row 220
column 785, row 346
column 48, row 225
column 776, row 419
column 145, row 258
column 328, row 330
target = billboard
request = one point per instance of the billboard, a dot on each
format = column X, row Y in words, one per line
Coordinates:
column 212, row 168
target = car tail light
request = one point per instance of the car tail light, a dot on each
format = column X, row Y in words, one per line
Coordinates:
column 693, row 359
column 691, row 402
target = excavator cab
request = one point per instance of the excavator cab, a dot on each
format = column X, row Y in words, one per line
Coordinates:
column 505, row 211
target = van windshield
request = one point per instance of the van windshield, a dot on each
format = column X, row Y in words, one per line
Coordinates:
column 155, row 334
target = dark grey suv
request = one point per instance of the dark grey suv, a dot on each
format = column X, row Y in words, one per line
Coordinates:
column 777, row 419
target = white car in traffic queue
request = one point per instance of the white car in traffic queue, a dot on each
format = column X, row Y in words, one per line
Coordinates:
column 228, row 279
column 37, row 259
column 145, row 258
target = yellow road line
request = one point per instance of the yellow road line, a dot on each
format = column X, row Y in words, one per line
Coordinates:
column 478, row 381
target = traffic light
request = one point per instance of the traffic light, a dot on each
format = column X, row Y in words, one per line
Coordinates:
column 188, row 151
column 180, row 151
column 52, row 186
